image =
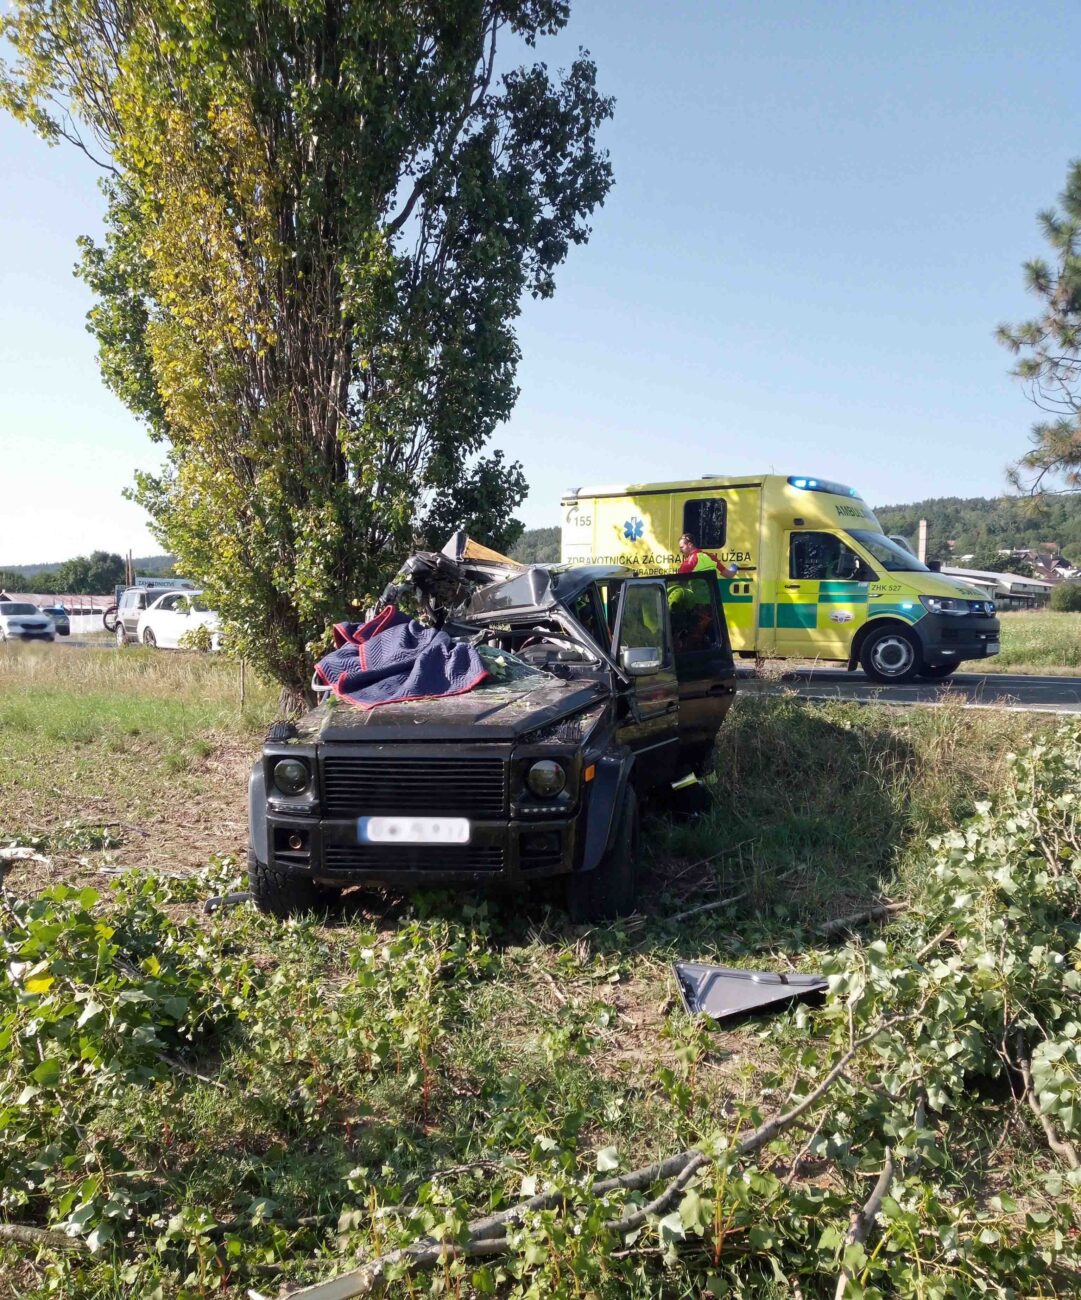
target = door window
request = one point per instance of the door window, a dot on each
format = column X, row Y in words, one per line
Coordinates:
column 694, row 619
column 818, row 557
column 706, row 520
column 642, row 624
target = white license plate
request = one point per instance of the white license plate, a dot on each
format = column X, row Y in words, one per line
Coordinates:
column 413, row 830
column 991, row 648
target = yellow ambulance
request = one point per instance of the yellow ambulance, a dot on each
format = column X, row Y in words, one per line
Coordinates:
column 817, row 578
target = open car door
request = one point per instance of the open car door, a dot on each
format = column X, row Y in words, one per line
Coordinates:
column 705, row 670
column 642, row 647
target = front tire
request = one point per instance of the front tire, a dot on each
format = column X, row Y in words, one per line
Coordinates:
column 281, row 894
column 890, row 656
column 936, row 672
column 611, row 888
column 149, row 639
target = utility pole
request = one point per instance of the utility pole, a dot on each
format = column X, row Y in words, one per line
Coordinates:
column 921, row 545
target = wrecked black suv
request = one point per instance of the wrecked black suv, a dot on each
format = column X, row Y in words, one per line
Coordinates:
column 604, row 691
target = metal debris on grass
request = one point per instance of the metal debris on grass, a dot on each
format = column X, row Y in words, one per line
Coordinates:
column 720, row 992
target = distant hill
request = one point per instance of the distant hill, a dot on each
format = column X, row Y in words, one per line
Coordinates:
column 537, row 546
column 976, row 523
column 147, row 564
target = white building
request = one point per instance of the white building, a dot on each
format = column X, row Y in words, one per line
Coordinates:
column 1008, row 590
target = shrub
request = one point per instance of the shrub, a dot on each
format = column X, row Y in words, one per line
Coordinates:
column 1066, row 597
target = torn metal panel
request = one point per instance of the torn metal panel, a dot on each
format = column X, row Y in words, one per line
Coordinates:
column 720, row 992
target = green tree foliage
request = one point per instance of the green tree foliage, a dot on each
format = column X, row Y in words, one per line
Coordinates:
column 12, row 580
column 321, row 221
column 1066, row 597
column 537, row 546
column 1049, row 347
column 94, row 574
column 977, row 523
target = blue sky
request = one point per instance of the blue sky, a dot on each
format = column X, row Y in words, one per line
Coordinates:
column 819, row 218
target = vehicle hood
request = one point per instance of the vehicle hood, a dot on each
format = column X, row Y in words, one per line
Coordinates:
column 937, row 584
column 495, row 711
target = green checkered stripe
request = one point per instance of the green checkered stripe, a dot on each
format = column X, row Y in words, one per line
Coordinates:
column 804, row 614
column 842, row 593
column 910, row 610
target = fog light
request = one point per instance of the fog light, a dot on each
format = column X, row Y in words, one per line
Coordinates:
column 546, row 777
column 291, row 776
column 296, row 841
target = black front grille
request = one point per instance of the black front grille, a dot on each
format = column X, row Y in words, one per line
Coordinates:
column 369, row 786
column 415, row 857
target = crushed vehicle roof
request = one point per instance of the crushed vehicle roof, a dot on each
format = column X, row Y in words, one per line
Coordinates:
column 540, row 587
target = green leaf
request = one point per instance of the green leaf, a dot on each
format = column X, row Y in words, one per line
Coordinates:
column 607, row 1158
column 47, row 1073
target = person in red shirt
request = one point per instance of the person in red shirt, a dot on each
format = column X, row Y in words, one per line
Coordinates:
column 695, row 561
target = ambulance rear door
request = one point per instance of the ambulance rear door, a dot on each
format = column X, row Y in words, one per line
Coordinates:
column 724, row 521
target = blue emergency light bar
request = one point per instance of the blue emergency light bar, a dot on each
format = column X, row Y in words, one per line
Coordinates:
column 822, row 485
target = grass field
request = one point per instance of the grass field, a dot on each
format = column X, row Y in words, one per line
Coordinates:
column 350, row 1082
column 1039, row 642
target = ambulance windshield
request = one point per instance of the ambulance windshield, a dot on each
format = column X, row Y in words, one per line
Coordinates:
column 892, row 557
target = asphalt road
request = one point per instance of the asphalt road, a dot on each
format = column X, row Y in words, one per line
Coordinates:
column 1019, row 692
column 976, row 690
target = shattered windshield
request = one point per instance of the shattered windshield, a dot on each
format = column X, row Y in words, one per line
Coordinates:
column 504, row 667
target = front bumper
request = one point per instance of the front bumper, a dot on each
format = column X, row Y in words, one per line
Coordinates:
column 498, row 852
column 30, row 634
column 949, row 638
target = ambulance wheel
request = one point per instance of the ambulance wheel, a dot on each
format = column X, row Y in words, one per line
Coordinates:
column 891, row 655
column 936, row 672
column 611, row 888
column 282, row 894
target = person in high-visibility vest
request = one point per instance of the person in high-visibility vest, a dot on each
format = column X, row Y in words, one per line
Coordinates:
column 690, row 603
column 695, row 561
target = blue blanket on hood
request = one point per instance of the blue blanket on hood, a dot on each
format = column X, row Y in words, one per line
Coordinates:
column 393, row 658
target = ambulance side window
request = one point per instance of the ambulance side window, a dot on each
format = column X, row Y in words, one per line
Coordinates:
column 707, row 521
column 816, row 557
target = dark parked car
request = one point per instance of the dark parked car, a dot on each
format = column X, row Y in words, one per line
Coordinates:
column 606, row 689
column 59, row 616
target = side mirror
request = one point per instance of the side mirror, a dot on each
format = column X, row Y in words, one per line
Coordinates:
column 641, row 661
column 935, row 566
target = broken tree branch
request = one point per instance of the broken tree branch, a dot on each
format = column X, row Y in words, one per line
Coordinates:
column 880, row 912
column 863, row 1218
column 1060, row 1146
column 709, row 907
column 50, row 1237
column 487, row 1236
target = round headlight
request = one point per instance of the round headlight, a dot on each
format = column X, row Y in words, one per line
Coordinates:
column 546, row 777
column 291, row 776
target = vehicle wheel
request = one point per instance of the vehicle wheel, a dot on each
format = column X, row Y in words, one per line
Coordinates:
column 110, row 619
column 281, row 894
column 121, row 635
column 149, row 638
column 936, row 672
column 610, row 889
column 890, row 656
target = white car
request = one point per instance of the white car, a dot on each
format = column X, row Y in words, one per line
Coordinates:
column 20, row 619
column 172, row 616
